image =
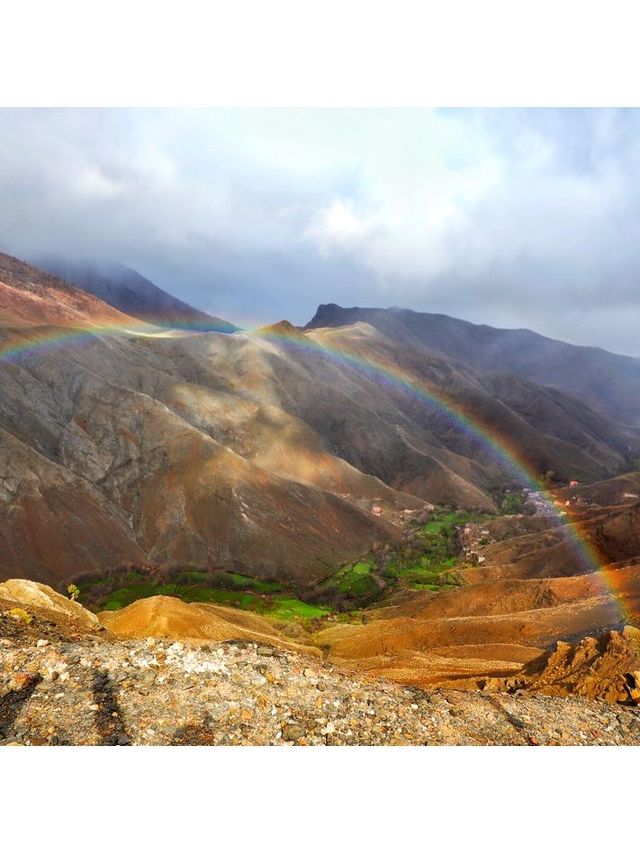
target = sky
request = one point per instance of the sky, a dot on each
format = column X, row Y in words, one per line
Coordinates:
column 515, row 218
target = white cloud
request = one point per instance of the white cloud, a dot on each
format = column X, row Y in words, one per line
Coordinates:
column 337, row 226
column 520, row 215
column 93, row 183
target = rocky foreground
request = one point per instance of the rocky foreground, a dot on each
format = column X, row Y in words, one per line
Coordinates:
column 211, row 675
column 95, row 691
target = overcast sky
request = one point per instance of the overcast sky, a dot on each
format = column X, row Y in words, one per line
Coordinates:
column 513, row 218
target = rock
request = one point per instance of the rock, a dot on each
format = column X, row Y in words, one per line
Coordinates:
column 597, row 668
column 265, row 650
column 31, row 593
column 293, row 732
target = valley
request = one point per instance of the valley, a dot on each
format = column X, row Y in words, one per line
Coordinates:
column 390, row 501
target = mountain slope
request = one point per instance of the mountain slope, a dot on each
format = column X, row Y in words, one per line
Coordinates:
column 31, row 297
column 128, row 291
column 606, row 381
column 280, row 453
column 81, row 686
column 118, row 452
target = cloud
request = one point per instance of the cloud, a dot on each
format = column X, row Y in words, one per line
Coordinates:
column 514, row 217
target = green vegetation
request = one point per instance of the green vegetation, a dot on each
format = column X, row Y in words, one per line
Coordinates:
column 194, row 585
column 427, row 559
column 354, row 580
column 289, row 609
column 430, row 559
column 74, row 592
column 21, row 615
column 511, row 502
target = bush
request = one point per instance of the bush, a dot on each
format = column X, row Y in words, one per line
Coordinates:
column 21, row 615
column 74, row 592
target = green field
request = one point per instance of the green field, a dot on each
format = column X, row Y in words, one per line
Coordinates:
column 430, row 564
column 231, row 589
column 427, row 560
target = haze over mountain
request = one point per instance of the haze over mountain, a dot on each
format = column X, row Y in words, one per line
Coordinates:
column 606, row 381
column 127, row 290
column 508, row 217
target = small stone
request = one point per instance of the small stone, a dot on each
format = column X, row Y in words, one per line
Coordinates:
column 42, row 642
column 293, row 732
column 265, row 650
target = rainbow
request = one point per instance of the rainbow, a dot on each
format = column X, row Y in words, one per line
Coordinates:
column 501, row 448
column 28, row 341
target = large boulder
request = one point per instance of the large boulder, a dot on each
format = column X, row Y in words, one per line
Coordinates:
column 32, row 594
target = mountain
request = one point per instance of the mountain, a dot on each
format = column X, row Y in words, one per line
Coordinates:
column 607, row 382
column 115, row 452
column 131, row 293
column 279, row 453
column 30, row 297
column 293, row 473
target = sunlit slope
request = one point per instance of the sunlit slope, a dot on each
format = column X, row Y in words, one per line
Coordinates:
column 280, row 453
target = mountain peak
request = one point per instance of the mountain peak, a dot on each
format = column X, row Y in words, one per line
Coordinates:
column 329, row 314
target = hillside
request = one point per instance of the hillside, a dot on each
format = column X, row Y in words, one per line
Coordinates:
column 98, row 431
column 128, row 291
column 30, row 297
column 278, row 453
column 608, row 382
column 341, row 502
column 66, row 681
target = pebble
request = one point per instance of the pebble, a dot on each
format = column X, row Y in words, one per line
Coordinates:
column 188, row 694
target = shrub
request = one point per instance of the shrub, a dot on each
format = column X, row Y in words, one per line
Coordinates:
column 21, row 615
column 74, row 592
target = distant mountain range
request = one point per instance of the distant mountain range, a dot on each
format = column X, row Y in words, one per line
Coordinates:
column 606, row 381
column 281, row 452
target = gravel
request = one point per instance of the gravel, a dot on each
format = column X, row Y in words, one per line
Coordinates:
column 152, row 692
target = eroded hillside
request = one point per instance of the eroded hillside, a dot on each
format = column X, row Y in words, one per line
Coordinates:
column 279, row 453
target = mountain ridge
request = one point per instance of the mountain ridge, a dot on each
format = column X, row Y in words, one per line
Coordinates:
column 607, row 381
